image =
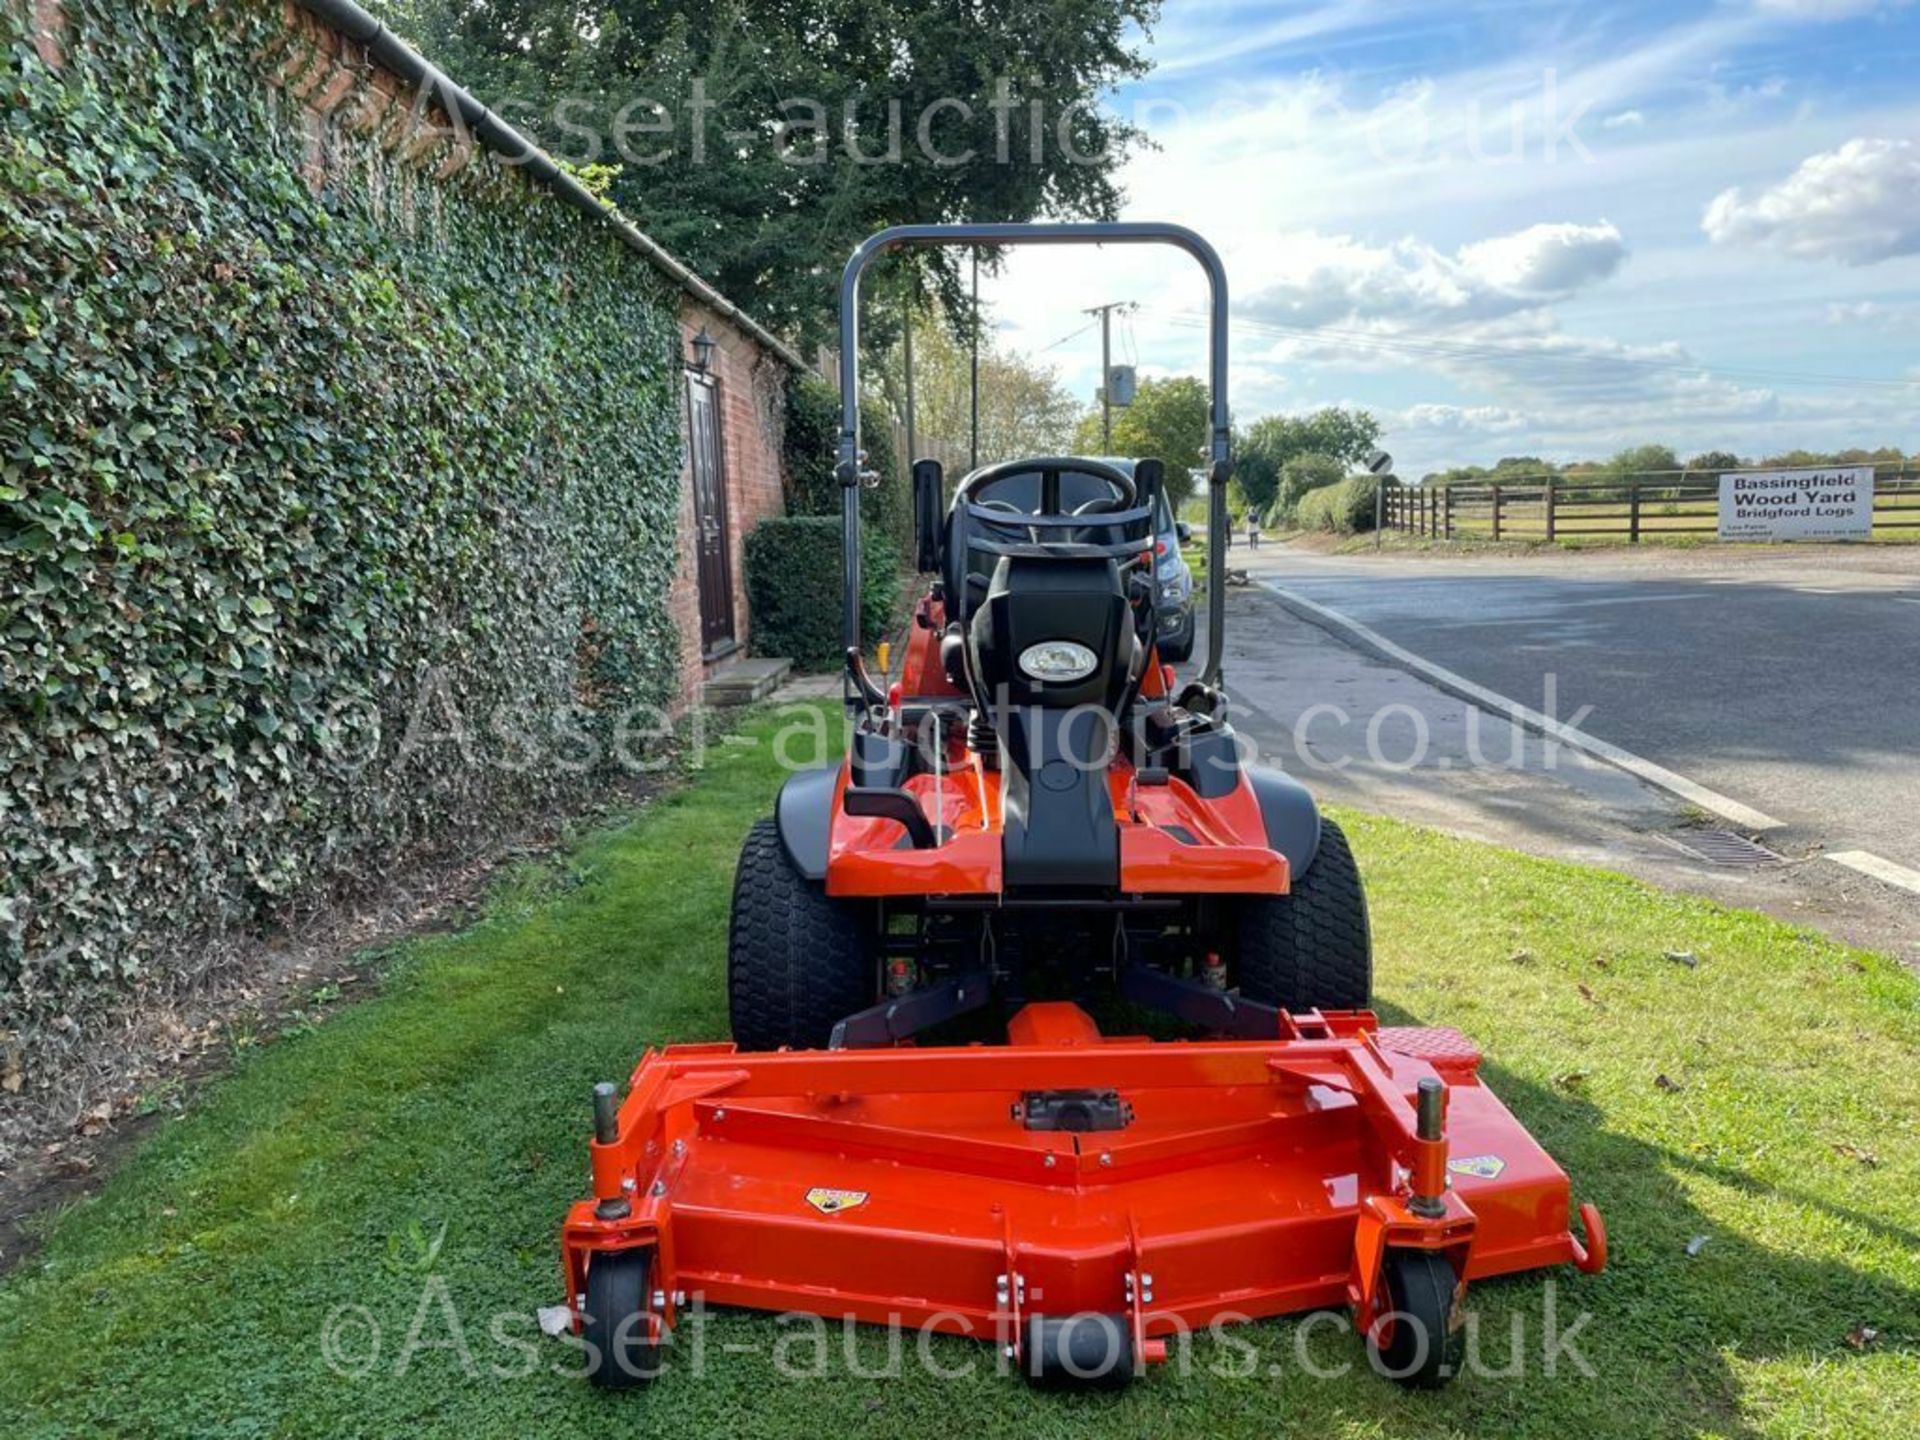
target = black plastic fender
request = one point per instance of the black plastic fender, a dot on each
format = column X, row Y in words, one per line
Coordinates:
column 1292, row 818
column 804, row 816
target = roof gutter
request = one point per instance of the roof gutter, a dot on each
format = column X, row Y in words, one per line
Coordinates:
column 390, row 52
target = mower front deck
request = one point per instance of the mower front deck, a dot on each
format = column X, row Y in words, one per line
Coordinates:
column 947, row 1187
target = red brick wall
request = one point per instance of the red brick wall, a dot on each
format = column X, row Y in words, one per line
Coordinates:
column 752, row 398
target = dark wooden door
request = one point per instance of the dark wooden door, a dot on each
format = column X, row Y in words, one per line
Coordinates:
column 708, row 453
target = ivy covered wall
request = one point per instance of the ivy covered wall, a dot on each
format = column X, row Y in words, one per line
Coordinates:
column 338, row 478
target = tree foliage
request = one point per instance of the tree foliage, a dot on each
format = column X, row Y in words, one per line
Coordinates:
column 761, row 141
column 1169, row 420
column 1264, row 448
column 1024, row 409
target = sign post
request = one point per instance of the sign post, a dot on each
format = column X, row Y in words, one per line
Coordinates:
column 1827, row 503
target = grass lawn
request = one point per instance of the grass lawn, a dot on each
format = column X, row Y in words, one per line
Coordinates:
column 415, row 1153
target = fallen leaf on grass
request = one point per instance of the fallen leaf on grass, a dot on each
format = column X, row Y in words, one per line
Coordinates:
column 1571, row 1080
column 1857, row 1152
column 1861, row 1336
column 1682, row 957
column 1587, row 995
column 1696, row 1245
column 1665, row 1082
column 555, row 1320
column 95, row 1120
column 1521, row 957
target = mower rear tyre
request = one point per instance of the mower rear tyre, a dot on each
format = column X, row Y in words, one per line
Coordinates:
column 1311, row 948
column 617, row 1323
column 798, row 961
column 1423, row 1344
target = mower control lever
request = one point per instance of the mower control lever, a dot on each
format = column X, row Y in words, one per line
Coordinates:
column 886, row 803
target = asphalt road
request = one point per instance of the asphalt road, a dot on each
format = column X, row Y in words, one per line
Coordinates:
column 1787, row 681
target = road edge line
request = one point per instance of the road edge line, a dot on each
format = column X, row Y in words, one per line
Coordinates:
column 1360, row 637
column 1865, row 862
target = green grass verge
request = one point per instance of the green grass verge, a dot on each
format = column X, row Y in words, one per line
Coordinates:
column 421, row 1148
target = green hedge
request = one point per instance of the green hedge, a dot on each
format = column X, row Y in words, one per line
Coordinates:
column 1345, row 508
column 794, row 587
column 331, row 526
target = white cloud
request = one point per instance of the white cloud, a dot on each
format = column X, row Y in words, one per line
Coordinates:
column 1823, row 9
column 1624, row 120
column 1858, row 204
column 1456, row 420
column 1860, row 312
column 1337, row 278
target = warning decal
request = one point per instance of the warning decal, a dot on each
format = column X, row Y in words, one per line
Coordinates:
column 1481, row 1167
column 832, row 1202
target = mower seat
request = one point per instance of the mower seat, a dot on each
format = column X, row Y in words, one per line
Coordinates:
column 1056, row 734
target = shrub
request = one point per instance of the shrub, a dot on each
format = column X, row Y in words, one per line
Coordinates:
column 1302, row 475
column 794, row 583
column 812, row 446
column 793, row 565
column 1346, row 508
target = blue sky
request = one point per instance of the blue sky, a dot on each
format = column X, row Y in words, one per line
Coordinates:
column 1528, row 227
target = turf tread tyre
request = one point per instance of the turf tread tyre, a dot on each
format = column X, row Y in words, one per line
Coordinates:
column 1311, row 949
column 617, row 1294
column 798, row 961
column 1424, row 1346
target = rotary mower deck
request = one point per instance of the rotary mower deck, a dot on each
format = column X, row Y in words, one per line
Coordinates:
column 1136, row 1189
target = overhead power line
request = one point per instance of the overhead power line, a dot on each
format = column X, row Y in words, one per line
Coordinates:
column 1494, row 351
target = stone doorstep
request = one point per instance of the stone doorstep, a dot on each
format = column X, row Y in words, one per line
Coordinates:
column 741, row 682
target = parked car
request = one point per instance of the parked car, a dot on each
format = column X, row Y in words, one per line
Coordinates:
column 1173, row 585
column 1172, row 577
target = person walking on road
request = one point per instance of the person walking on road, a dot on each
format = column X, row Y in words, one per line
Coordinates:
column 1253, row 529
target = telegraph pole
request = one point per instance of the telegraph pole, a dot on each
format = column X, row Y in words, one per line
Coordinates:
column 1105, row 312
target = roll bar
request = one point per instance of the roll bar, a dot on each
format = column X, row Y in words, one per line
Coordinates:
column 1119, row 232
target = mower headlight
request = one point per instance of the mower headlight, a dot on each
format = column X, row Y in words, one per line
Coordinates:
column 1054, row 660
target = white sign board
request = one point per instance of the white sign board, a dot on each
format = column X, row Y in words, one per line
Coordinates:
column 1825, row 504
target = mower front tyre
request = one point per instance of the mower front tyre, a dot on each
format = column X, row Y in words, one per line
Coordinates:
column 1311, row 948
column 618, row 1322
column 1417, row 1340
column 798, row 961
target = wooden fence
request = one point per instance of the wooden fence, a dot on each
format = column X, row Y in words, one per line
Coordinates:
column 1631, row 508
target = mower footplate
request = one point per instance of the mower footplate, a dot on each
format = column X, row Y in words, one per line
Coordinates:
column 1227, row 1179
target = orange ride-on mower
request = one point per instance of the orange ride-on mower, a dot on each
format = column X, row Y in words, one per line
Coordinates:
column 1033, row 816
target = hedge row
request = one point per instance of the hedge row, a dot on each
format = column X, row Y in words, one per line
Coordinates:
column 1345, row 508
column 794, row 563
column 795, row 583
column 330, row 525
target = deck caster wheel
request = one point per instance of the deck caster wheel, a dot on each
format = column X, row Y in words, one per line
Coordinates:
column 619, row 1323
column 1088, row 1349
column 1417, row 1339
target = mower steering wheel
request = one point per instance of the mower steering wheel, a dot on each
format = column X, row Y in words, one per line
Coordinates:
column 1050, row 465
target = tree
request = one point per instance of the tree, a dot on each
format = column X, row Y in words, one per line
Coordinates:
column 1169, row 420
column 1262, row 450
column 1714, row 461
column 760, row 142
column 1644, row 460
column 1304, row 473
column 1024, row 409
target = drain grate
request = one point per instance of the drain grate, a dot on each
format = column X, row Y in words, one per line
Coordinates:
column 1722, row 847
